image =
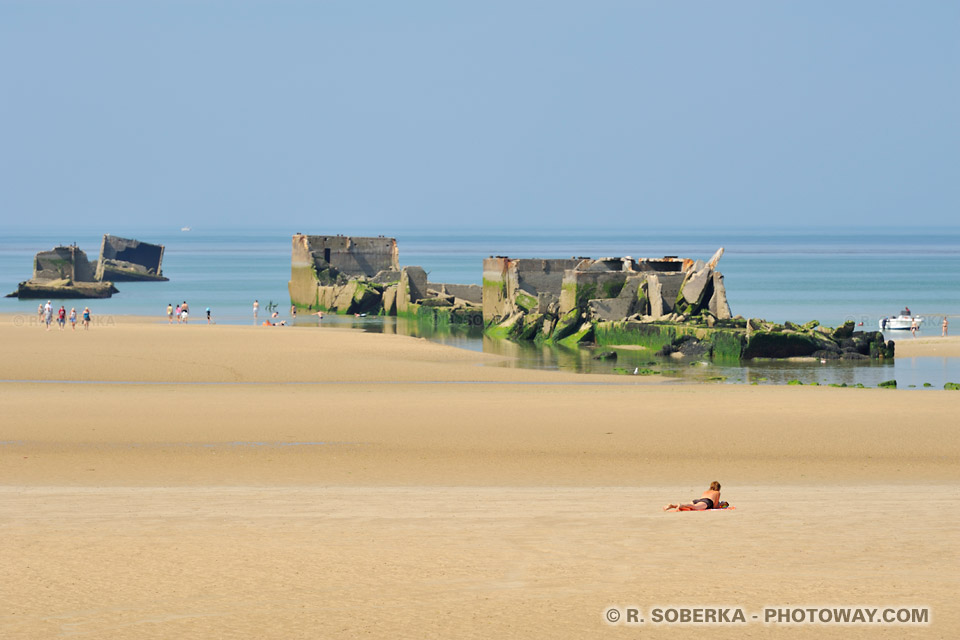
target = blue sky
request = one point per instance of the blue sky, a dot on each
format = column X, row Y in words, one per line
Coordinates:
column 460, row 115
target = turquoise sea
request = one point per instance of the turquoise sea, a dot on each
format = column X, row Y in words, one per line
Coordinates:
column 859, row 274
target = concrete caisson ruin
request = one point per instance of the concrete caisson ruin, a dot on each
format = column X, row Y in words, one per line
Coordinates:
column 556, row 299
column 670, row 305
column 63, row 272
column 128, row 259
column 348, row 274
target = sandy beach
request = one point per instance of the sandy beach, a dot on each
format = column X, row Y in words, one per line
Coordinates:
column 224, row 481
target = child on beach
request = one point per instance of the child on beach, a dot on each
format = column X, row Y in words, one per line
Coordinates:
column 710, row 499
column 40, row 313
column 169, row 314
column 179, row 311
column 73, row 318
column 61, row 317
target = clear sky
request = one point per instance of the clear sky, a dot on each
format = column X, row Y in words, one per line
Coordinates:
column 469, row 114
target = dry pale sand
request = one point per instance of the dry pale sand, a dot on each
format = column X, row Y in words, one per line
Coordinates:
column 285, row 483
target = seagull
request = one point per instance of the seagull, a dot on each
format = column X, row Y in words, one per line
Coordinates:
column 636, row 370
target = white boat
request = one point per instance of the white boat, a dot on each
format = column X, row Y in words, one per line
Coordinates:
column 903, row 322
column 184, row 228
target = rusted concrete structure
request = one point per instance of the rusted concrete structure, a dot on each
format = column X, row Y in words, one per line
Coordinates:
column 511, row 284
column 328, row 261
column 63, row 272
column 130, row 260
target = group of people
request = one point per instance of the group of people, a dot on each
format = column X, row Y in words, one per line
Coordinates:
column 45, row 316
column 181, row 313
column 274, row 320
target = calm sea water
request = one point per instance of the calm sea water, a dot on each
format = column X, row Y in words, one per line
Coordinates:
column 831, row 276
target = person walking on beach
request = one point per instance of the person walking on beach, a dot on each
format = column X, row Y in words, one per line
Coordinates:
column 914, row 327
column 40, row 313
column 944, row 327
column 208, row 315
column 256, row 309
column 169, row 314
column 86, row 318
column 61, row 317
column 47, row 314
column 710, row 499
column 184, row 314
column 293, row 311
column 73, row 318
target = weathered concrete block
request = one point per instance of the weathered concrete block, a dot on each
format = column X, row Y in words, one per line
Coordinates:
column 581, row 286
column 62, row 263
column 326, row 294
column 695, row 286
column 610, row 309
column 469, row 292
column 655, row 294
column 505, row 278
column 412, row 287
column 386, row 276
column 129, row 259
column 390, row 300
column 632, row 285
column 718, row 301
column 670, row 284
column 344, row 296
column 547, row 302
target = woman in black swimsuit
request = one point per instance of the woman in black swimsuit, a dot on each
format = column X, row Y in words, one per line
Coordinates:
column 709, row 500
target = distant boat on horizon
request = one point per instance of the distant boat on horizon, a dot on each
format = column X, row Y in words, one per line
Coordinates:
column 184, row 228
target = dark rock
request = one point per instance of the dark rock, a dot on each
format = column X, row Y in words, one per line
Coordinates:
column 853, row 355
column 694, row 348
column 824, row 354
column 764, row 344
column 443, row 301
column 606, row 355
column 844, row 331
column 665, row 350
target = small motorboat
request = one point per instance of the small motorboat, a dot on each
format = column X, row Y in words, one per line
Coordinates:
column 903, row 322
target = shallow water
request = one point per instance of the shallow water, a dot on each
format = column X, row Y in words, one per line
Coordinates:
column 910, row 373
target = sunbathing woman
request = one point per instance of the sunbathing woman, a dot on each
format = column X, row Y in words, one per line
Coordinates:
column 709, row 500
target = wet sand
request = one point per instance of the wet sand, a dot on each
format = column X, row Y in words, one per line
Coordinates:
column 910, row 347
column 285, row 483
